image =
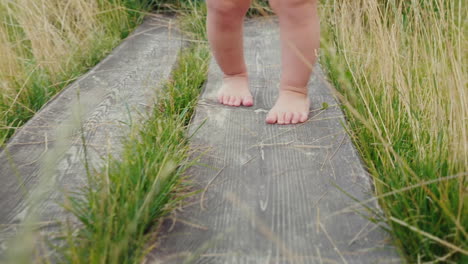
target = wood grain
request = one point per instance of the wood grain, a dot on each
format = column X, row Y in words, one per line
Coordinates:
column 269, row 192
column 46, row 157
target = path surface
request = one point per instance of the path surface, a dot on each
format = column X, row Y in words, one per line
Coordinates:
column 269, row 191
column 111, row 96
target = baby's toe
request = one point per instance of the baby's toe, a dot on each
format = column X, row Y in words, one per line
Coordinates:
column 303, row 117
column 232, row 99
column 281, row 116
column 220, row 98
column 295, row 118
column 272, row 117
column 237, row 101
column 288, row 118
column 226, row 99
column 247, row 100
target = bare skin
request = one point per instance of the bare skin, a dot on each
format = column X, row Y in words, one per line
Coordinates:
column 300, row 32
column 225, row 34
column 235, row 91
column 291, row 107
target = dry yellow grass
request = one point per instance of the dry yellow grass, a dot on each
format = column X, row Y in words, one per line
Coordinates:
column 400, row 67
column 45, row 44
column 401, row 70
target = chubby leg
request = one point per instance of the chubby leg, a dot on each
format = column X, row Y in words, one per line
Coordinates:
column 300, row 40
column 225, row 30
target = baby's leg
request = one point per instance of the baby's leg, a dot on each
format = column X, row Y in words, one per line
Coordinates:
column 300, row 40
column 225, row 29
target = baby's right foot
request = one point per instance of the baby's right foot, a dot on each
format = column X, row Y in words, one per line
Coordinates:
column 292, row 107
column 235, row 91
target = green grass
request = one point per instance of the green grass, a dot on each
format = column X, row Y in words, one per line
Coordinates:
column 400, row 70
column 409, row 128
column 47, row 44
column 120, row 206
column 119, row 209
column 131, row 194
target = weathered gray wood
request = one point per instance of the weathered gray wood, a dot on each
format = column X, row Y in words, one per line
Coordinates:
column 118, row 91
column 269, row 194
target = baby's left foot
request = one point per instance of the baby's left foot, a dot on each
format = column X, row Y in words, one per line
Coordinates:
column 292, row 107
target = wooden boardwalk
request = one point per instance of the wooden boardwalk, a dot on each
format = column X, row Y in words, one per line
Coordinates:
column 45, row 158
column 270, row 192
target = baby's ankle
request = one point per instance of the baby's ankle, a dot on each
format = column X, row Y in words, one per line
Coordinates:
column 302, row 91
column 237, row 75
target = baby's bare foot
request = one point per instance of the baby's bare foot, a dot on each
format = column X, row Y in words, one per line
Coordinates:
column 235, row 91
column 292, row 107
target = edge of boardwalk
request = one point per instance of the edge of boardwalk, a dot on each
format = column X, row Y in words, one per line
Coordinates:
column 44, row 159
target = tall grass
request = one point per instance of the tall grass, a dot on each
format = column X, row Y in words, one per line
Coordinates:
column 116, row 214
column 122, row 209
column 132, row 193
column 119, row 206
column 401, row 70
column 399, row 67
column 46, row 44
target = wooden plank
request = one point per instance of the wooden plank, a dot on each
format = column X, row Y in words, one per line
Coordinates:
column 116, row 92
column 268, row 191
